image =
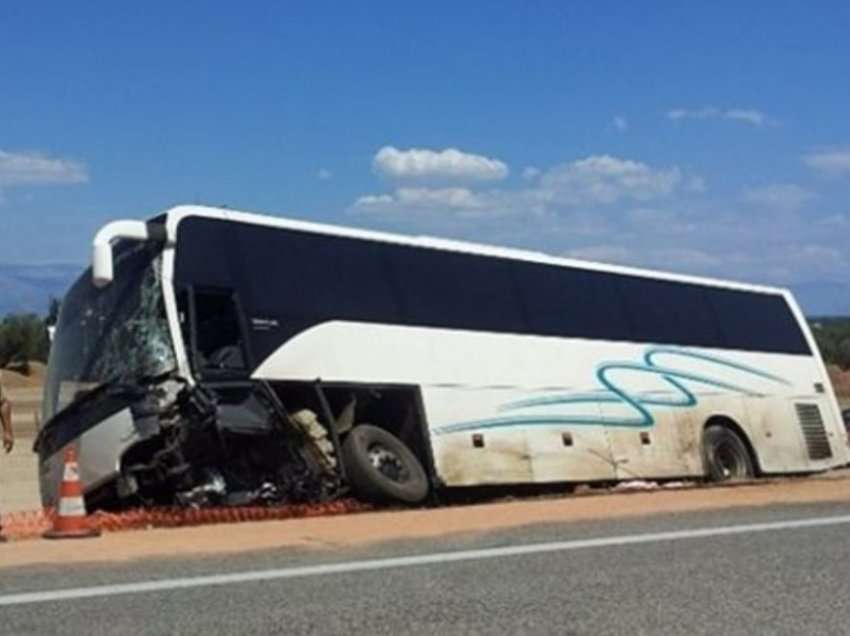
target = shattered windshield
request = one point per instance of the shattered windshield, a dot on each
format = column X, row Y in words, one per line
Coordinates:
column 118, row 333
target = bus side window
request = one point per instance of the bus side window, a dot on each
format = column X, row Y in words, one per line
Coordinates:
column 219, row 340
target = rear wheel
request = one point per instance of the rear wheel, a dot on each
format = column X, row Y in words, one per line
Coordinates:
column 726, row 456
column 380, row 467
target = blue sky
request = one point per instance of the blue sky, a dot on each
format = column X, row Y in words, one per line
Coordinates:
column 710, row 139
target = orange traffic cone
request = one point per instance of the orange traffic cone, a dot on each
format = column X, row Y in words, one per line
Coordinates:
column 70, row 522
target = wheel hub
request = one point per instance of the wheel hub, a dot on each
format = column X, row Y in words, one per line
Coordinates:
column 728, row 461
column 388, row 463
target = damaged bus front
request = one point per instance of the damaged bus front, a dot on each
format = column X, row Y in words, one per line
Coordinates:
column 150, row 428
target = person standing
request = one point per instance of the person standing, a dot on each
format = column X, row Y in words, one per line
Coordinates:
column 8, row 434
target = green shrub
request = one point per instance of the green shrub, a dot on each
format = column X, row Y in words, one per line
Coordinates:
column 833, row 338
column 23, row 337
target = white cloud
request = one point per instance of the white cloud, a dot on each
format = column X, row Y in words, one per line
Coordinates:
column 603, row 179
column 694, row 183
column 613, row 209
column 832, row 163
column 744, row 115
column 602, row 254
column 779, row 196
column 707, row 112
column 753, row 117
column 826, row 259
column 373, row 200
column 530, row 173
column 572, row 201
column 29, row 168
column 324, row 174
column 685, row 258
column 659, row 221
column 620, row 123
column 451, row 163
column 649, row 216
column 410, row 199
column 582, row 185
column 793, row 263
column 669, row 258
column 449, row 197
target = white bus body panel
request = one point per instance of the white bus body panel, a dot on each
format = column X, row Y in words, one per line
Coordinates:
column 468, row 377
column 522, row 393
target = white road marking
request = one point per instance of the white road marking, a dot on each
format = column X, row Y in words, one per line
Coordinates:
column 369, row 565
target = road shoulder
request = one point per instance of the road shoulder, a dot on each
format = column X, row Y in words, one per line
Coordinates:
column 375, row 527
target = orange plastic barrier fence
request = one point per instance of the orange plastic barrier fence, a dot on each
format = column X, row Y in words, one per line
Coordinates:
column 31, row 524
column 27, row 524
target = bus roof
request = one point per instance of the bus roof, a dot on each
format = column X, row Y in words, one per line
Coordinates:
column 174, row 215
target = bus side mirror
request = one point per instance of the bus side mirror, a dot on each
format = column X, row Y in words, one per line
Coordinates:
column 102, row 266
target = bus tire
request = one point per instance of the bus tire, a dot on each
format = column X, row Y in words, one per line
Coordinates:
column 380, row 467
column 725, row 455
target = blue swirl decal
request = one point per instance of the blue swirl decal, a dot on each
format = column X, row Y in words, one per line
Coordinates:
column 640, row 405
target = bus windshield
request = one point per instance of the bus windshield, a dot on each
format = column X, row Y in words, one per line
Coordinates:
column 117, row 333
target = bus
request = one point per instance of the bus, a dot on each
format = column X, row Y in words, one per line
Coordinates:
column 216, row 357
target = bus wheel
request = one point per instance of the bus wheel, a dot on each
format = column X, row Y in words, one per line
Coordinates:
column 726, row 456
column 380, row 467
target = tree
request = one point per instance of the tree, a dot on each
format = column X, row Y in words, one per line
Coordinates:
column 833, row 338
column 23, row 337
column 53, row 307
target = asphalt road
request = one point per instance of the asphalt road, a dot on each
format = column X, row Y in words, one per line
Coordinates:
column 768, row 579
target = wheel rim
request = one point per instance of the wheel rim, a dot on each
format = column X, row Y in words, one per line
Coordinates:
column 728, row 461
column 388, row 463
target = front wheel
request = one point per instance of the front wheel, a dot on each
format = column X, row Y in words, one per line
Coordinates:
column 726, row 456
column 380, row 467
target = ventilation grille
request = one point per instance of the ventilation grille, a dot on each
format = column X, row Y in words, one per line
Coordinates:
column 813, row 431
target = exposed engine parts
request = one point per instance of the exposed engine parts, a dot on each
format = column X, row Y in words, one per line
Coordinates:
column 308, row 422
column 236, row 444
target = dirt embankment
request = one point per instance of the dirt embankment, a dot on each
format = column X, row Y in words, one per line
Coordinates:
column 840, row 381
column 32, row 379
column 25, row 392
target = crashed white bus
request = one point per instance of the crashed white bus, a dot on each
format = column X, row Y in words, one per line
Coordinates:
column 217, row 357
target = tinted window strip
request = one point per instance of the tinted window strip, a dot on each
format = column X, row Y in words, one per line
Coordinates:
column 295, row 276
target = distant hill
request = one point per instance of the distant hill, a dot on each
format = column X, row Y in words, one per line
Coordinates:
column 28, row 288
